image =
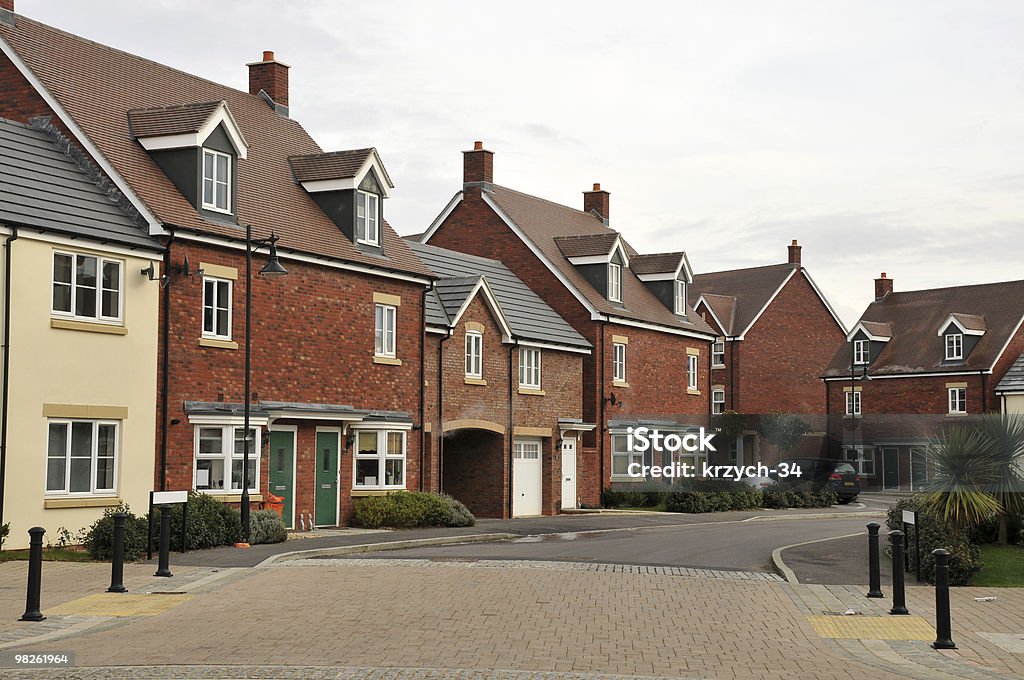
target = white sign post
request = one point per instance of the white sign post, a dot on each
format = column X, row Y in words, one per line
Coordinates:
column 157, row 498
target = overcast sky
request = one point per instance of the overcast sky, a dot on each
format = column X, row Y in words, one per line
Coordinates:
column 885, row 136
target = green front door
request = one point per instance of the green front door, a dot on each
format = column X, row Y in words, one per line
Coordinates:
column 282, row 467
column 326, row 479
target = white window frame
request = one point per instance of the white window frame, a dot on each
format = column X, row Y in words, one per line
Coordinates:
column 862, row 458
column 216, row 180
column 620, row 450
column 381, row 456
column 853, row 403
column 228, row 456
column 718, row 353
column 717, row 401
column 692, row 371
column 680, row 297
column 614, row 282
column 954, row 346
column 529, row 368
column 215, row 305
column 957, row 398
column 474, row 354
column 368, row 224
column 385, row 330
column 74, row 285
column 861, row 351
column 94, row 490
column 619, row 362
column 527, row 449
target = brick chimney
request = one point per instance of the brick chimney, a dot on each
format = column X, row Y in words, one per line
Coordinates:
column 883, row 287
column 794, row 252
column 597, row 200
column 7, row 11
column 271, row 77
column 478, row 165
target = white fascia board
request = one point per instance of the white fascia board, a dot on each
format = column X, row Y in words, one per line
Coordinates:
column 439, row 220
column 766, row 305
column 439, row 330
column 706, row 337
column 373, row 161
column 622, row 251
column 321, row 185
column 946, row 374
column 683, row 266
column 154, row 252
column 824, row 300
column 379, row 425
column 211, row 419
column 276, row 414
column 702, row 301
column 590, row 259
column 162, row 142
column 223, row 115
column 540, row 256
column 859, row 326
column 1006, row 344
column 155, row 226
column 557, row 348
column 302, row 257
column 492, row 303
column 951, row 319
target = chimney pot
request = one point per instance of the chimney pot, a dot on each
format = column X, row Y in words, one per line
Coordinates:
column 597, row 200
column 270, row 76
column 883, row 286
column 794, row 252
column 268, row 55
column 477, row 165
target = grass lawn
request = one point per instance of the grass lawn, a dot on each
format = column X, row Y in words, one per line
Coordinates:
column 49, row 555
column 1004, row 566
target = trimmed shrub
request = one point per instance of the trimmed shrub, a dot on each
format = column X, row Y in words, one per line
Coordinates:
column 964, row 556
column 99, row 538
column 408, row 509
column 266, row 526
column 211, row 523
column 688, row 501
column 460, row 514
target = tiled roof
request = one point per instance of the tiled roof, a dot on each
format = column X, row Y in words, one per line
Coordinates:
column 98, row 85
column 332, row 165
column 971, row 322
column 750, row 290
column 586, row 244
column 724, row 309
column 529, row 317
column 880, row 330
column 915, row 318
column 656, row 263
column 41, row 187
column 170, row 120
column 542, row 221
column 1013, row 381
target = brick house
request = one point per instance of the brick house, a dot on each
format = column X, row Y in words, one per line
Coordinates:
column 1010, row 389
column 777, row 333
column 80, row 339
column 337, row 344
column 504, row 392
column 651, row 359
column 915, row 363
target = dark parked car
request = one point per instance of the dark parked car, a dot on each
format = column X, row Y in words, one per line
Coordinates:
column 837, row 475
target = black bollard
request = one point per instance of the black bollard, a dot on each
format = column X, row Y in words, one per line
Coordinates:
column 117, row 561
column 874, row 569
column 943, row 630
column 164, row 568
column 899, row 602
column 35, row 575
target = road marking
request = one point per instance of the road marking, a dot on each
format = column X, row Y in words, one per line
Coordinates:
column 786, row 571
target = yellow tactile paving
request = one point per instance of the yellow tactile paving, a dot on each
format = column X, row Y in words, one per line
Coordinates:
column 873, row 627
column 114, row 604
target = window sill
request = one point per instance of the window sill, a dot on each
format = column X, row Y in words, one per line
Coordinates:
column 88, row 326
column 358, row 493
column 957, row 415
column 717, row 365
column 532, row 391
column 387, row 361
column 221, row 344
column 82, row 502
column 628, row 478
column 848, row 415
column 694, row 392
column 475, row 381
column 231, row 497
column 620, row 383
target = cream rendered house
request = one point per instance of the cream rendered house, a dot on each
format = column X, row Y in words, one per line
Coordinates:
column 80, row 289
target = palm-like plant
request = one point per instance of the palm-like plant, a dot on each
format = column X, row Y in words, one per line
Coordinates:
column 966, row 462
column 1006, row 432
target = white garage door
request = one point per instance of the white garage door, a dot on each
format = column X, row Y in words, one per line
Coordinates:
column 526, row 478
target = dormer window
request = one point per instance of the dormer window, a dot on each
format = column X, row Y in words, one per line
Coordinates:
column 216, row 181
column 954, row 346
column 614, row 282
column 367, row 230
column 861, row 351
column 680, row 297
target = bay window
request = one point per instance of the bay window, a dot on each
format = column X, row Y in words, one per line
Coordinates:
column 379, row 459
column 219, row 453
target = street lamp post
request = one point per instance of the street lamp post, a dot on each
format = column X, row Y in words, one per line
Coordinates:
column 273, row 268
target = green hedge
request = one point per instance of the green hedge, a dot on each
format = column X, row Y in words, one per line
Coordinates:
column 411, row 509
column 210, row 523
column 714, row 495
column 964, row 556
column 266, row 526
column 99, row 538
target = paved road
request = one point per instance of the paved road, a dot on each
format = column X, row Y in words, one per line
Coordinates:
column 741, row 545
column 837, row 562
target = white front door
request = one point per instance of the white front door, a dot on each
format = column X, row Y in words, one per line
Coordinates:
column 568, row 473
column 526, row 478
